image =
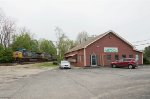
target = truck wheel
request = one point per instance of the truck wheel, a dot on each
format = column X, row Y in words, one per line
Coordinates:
column 130, row 66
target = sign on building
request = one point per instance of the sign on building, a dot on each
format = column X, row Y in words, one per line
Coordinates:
column 110, row 49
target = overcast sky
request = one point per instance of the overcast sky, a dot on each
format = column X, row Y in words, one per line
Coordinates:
column 129, row 18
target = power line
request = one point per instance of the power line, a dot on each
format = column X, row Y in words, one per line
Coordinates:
column 142, row 44
column 141, row 41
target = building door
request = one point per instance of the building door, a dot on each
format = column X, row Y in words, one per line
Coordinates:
column 93, row 60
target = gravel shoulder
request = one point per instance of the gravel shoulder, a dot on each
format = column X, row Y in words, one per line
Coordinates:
column 12, row 73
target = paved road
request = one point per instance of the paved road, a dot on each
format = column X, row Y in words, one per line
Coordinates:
column 97, row 83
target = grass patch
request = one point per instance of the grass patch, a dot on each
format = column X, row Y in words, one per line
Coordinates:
column 45, row 64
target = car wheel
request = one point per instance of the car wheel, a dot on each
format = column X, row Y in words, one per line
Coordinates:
column 113, row 66
column 130, row 66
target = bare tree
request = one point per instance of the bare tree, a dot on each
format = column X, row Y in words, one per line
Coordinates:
column 1, row 26
column 82, row 36
column 61, row 37
column 64, row 44
column 24, row 30
column 8, row 28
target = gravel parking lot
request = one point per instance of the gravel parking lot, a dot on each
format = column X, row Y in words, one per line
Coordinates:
column 78, row 83
column 12, row 73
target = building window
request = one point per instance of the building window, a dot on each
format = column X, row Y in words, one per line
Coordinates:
column 116, row 57
column 123, row 56
column 131, row 56
column 108, row 57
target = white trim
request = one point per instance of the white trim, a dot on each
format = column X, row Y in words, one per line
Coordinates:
column 70, row 55
column 84, row 57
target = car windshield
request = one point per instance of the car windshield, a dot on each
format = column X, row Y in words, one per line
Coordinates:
column 64, row 62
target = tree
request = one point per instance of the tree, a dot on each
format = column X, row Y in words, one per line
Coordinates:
column 1, row 50
column 146, row 58
column 82, row 36
column 7, row 28
column 35, row 45
column 6, row 55
column 64, row 44
column 147, row 52
column 61, row 37
column 23, row 40
column 47, row 47
column 69, row 44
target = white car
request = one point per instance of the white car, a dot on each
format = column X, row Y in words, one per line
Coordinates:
column 65, row 64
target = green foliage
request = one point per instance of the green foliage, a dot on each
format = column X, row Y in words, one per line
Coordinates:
column 146, row 59
column 1, row 50
column 47, row 47
column 6, row 55
column 35, row 46
column 23, row 40
column 147, row 51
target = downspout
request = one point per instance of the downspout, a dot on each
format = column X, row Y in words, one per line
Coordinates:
column 84, row 57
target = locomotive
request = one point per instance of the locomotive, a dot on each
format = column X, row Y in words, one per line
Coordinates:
column 23, row 55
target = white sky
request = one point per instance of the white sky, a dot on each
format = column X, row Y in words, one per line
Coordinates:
column 129, row 18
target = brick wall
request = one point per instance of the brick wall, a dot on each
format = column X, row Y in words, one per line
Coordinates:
column 107, row 41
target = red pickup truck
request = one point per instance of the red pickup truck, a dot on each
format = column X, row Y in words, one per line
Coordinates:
column 125, row 62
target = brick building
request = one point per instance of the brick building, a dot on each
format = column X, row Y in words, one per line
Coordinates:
column 103, row 49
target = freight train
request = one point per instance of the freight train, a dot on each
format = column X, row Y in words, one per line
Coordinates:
column 24, row 55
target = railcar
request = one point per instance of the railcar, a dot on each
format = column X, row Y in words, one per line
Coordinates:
column 24, row 55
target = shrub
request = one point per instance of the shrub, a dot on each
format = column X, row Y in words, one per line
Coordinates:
column 55, row 63
column 6, row 55
column 146, row 61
